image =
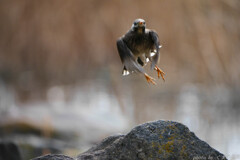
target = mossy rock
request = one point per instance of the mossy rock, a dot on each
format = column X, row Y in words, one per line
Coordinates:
column 159, row 140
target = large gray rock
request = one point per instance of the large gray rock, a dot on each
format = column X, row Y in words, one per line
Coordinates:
column 159, row 140
column 54, row 157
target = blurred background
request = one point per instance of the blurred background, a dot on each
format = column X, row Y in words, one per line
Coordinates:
column 61, row 88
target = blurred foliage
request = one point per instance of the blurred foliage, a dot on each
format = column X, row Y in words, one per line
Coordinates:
column 47, row 42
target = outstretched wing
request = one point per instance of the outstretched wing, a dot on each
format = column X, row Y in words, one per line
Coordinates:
column 156, row 57
column 127, row 58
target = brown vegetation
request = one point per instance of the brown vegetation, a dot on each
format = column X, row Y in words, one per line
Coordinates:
column 47, row 42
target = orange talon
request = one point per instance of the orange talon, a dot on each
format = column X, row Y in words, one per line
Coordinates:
column 149, row 79
column 160, row 72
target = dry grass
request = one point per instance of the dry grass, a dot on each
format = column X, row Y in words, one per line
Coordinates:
column 56, row 42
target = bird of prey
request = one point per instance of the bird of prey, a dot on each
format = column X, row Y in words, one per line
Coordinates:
column 137, row 47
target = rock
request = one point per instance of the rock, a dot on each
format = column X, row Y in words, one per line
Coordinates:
column 152, row 141
column 53, row 157
column 9, row 151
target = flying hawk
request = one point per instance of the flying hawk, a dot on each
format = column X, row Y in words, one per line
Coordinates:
column 137, row 47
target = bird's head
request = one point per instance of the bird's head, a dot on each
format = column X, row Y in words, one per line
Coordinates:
column 139, row 25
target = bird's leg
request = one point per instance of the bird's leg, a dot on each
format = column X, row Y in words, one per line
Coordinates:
column 160, row 72
column 149, row 79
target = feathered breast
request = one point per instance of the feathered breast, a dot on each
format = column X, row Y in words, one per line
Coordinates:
column 138, row 43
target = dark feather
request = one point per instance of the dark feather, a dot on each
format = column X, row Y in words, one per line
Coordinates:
column 140, row 61
column 127, row 58
column 156, row 57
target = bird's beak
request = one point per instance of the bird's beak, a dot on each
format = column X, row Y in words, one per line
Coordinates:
column 140, row 24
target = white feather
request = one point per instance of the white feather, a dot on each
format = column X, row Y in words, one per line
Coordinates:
column 125, row 72
column 152, row 54
column 147, row 59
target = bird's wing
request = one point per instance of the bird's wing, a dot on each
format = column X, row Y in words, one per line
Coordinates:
column 155, row 39
column 127, row 57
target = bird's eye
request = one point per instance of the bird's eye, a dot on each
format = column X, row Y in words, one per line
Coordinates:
column 144, row 23
column 135, row 23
